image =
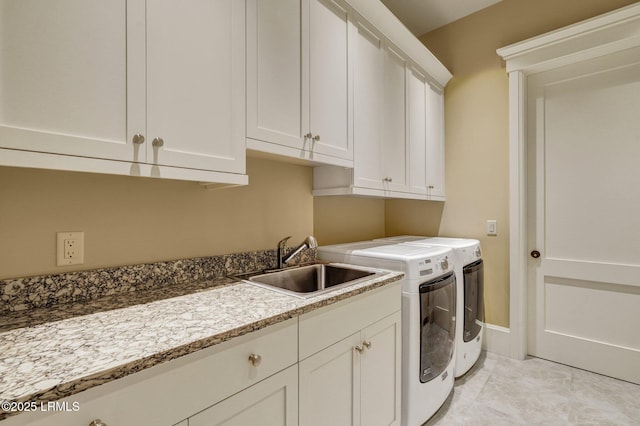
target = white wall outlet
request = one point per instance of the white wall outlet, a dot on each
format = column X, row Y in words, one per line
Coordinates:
column 70, row 248
column 492, row 227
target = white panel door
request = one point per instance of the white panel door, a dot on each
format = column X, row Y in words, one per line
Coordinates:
column 271, row 402
column 195, row 84
column 368, row 81
column 380, row 372
column 330, row 385
column 275, row 112
column 329, row 79
column 67, row 70
column 584, row 198
column 394, row 121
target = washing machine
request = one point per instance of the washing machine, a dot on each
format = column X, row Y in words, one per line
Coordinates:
column 428, row 317
column 469, row 269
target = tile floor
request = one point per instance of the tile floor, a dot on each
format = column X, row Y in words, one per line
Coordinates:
column 504, row 391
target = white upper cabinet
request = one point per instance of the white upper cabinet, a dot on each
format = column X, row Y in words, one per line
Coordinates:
column 379, row 129
column 394, row 150
column 398, row 115
column 328, row 80
column 298, row 80
column 275, row 111
column 157, row 87
column 368, row 108
column 435, row 144
column 195, row 84
column 417, row 127
column 57, row 94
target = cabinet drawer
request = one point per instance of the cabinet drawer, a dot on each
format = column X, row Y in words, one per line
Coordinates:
column 323, row 327
column 168, row 393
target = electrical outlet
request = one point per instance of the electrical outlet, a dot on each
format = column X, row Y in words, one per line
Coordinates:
column 70, row 248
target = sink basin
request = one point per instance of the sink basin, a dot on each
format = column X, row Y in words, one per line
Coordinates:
column 308, row 281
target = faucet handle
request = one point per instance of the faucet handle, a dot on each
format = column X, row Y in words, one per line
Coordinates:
column 283, row 242
column 311, row 242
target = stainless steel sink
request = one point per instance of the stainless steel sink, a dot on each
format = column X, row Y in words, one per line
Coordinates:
column 308, row 281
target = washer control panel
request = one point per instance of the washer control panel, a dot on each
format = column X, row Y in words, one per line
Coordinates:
column 470, row 254
column 434, row 266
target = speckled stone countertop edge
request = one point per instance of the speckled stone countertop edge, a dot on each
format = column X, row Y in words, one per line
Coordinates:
column 302, row 306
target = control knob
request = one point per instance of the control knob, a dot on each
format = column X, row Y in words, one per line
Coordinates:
column 444, row 264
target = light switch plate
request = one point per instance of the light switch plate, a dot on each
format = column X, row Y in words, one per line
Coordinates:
column 492, row 227
column 69, row 248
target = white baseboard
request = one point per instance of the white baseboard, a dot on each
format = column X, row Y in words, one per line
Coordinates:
column 497, row 340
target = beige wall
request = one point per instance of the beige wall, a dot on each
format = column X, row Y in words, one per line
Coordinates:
column 476, row 108
column 130, row 220
column 346, row 219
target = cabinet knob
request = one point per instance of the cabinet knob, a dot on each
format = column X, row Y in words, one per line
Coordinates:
column 138, row 139
column 387, row 179
column 255, row 360
column 430, row 186
column 535, row 254
column 367, row 344
column 97, row 422
column 316, row 138
column 308, row 136
column 359, row 349
column 157, row 142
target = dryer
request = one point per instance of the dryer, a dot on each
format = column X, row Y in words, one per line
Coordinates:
column 469, row 269
column 428, row 317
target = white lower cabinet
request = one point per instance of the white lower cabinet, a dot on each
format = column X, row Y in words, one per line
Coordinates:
column 272, row 402
column 169, row 393
column 337, row 365
column 380, row 372
column 356, row 380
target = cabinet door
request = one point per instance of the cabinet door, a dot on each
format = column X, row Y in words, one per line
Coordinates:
column 418, row 98
column 66, row 69
column 328, row 79
column 368, row 81
column 274, row 78
column 435, row 145
column 271, row 402
column 381, row 372
column 195, row 84
column 394, row 121
column 330, row 385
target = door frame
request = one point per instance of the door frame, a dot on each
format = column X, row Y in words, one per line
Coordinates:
column 599, row 36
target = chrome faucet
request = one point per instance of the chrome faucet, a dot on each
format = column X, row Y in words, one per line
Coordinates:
column 309, row 242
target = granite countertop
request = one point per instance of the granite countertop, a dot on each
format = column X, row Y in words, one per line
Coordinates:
column 80, row 347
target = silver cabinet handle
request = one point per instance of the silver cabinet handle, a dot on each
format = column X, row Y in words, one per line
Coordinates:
column 157, row 142
column 138, row 139
column 316, row 138
column 367, row 344
column 308, row 136
column 255, row 360
column 97, row 422
column 359, row 349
